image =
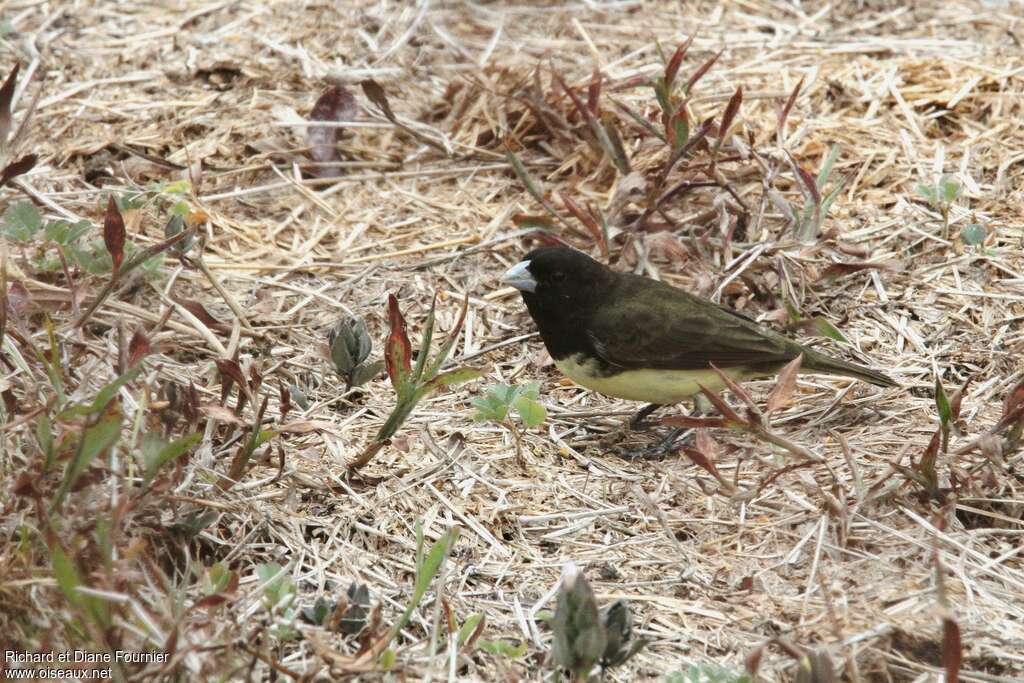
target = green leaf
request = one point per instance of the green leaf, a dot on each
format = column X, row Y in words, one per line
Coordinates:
column 502, row 648
column 44, row 436
column 69, row 580
column 168, row 452
column 451, row 378
column 827, row 329
column 95, row 440
column 279, row 590
column 105, row 395
column 468, row 627
column 973, row 234
column 427, row 567
column 530, row 411
column 362, row 374
column 387, row 659
column 949, row 189
column 21, row 221
column 529, row 183
column 942, row 404
column 826, row 168
column 928, row 193
column 216, row 579
column 66, row 574
column 425, row 340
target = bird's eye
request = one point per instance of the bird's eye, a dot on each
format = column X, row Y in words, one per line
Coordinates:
column 558, row 276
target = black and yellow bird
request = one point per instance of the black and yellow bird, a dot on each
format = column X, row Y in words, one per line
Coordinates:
column 635, row 338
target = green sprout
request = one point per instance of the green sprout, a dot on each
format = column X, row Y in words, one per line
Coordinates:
column 501, row 400
column 413, row 383
column 941, row 196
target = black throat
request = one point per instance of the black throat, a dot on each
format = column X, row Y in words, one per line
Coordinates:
column 562, row 323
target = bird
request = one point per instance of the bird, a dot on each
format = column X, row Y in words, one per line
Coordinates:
column 635, row 338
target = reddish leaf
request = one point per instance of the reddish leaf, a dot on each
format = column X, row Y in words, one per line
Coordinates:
column 703, row 69
column 808, row 182
column 694, row 422
column 672, row 68
column 375, row 94
column 957, row 399
column 6, row 97
column 334, row 105
column 952, row 650
column 784, row 386
column 840, row 269
column 230, row 368
column 588, row 221
column 399, row 350
column 138, row 347
column 200, row 312
column 1014, row 399
column 752, row 663
column 190, row 404
column 735, row 388
column 114, row 234
column 17, row 168
column 784, row 113
column 701, row 460
column 211, row 600
column 3, row 300
column 284, row 401
column 731, row 110
column 705, row 444
column 230, row 373
column 546, row 238
column 594, row 92
column 724, row 408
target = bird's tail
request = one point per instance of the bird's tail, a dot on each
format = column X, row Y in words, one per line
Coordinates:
column 818, row 362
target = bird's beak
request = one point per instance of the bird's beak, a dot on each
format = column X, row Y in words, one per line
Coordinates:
column 520, row 277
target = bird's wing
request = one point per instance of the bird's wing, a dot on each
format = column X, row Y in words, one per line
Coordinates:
column 667, row 328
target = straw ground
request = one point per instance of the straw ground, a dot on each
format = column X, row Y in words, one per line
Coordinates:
column 862, row 551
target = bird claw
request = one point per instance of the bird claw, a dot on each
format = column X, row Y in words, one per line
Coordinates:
column 666, row 446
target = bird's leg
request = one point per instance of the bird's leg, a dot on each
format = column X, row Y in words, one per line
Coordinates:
column 671, row 441
column 637, row 421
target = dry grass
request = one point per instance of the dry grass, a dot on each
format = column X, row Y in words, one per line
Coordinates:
column 839, row 555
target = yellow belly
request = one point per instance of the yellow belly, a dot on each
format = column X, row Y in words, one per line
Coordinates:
column 651, row 386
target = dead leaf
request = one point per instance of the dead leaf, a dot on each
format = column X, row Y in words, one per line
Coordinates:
column 221, row 414
column 336, row 104
column 785, row 385
column 114, row 234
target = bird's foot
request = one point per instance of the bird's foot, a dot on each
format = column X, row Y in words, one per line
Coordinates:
column 664, row 447
column 638, row 421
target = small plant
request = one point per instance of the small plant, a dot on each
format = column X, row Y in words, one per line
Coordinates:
column 498, row 404
column 973, row 234
column 350, row 346
column 941, row 196
column 469, row 638
column 23, row 224
column 584, row 637
column 10, row 142
column 413, row 383
column 807, row 221
column 924, row 472
column 279, row 598
column 708, row 673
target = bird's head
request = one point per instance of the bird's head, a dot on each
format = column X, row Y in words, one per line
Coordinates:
column 556, row 277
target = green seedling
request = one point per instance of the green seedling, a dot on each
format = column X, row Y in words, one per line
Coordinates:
column 583, row 637
column 279, row 594
column 501, row 401
column 941, row 196
column 350, row 346
column 413, row 383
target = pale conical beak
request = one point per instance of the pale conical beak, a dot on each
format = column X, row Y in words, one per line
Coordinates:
column 520, row 277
